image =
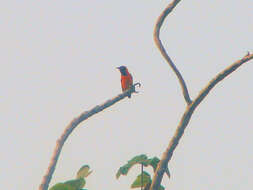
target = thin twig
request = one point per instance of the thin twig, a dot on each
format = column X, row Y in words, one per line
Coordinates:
column 186, row 118
column 72, row 125
column 160, row 46
column 141, row 176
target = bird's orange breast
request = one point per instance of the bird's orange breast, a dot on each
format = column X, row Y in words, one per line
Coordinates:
column 126, row 81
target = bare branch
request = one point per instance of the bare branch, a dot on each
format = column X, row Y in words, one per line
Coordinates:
column 203, row 93
column 166, row 157
column 72, row 125
column 160, row 46
column 191, row 105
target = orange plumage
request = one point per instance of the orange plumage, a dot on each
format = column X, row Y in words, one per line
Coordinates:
column 126, row 79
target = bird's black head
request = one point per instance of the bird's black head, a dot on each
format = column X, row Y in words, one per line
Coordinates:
column 123, row 70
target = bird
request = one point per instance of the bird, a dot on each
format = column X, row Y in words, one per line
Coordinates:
column 126, row 79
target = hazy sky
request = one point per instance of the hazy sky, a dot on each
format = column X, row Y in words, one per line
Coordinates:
column 58, row 59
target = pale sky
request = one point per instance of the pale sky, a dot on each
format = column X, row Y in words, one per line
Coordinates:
column 59, row 57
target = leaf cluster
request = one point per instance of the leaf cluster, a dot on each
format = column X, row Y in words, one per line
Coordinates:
column 74, row 184
column 144, row 179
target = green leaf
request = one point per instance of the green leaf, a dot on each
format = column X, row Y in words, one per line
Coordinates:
column 153, row 162
column 138, row 182
column 140, row 159
column 61, row 186
column 77, row 184
column 83, row 172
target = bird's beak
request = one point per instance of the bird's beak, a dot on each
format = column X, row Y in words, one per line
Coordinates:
column 117, row 67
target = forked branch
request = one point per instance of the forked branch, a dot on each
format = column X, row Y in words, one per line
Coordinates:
column 192, row 105
column 186, row 118
column 160, row 46
column 72, row 125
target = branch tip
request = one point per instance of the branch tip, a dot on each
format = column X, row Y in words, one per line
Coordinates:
column 133, row 90
column 162, row 50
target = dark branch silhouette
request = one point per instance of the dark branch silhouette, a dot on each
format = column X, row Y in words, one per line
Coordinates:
column 71, row 126
column 160, row 46
column 192, row 105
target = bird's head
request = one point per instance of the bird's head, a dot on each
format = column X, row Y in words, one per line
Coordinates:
column 123, row 70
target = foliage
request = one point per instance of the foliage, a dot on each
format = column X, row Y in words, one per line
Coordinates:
column 83, row 172
column 62, row 186
column 138, row 182
column 135, row 160
column 74, row 184
column 145, row 176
